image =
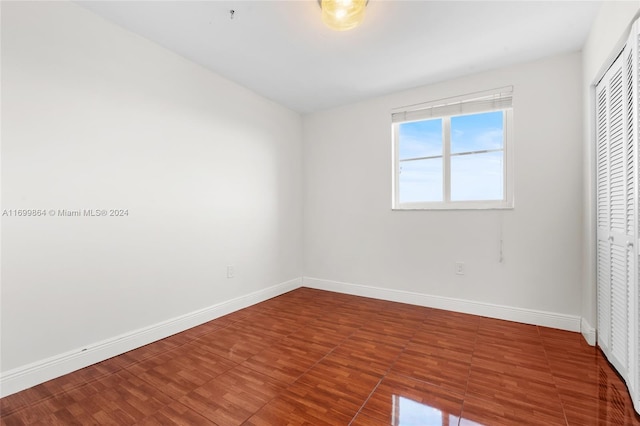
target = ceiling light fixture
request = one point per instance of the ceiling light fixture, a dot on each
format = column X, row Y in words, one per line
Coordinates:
column 342, row 15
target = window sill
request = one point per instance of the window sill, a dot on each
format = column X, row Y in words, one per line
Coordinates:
column 462, row 205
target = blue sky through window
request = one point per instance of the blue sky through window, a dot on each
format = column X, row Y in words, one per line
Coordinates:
column 420, row 139
column 474, row 177
column 477, row 177
column 477, row 132
column 421, row 181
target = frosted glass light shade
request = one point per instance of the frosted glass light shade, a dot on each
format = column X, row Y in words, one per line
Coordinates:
column 342, row 15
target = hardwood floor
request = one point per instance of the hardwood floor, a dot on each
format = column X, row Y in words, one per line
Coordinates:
column 319, row 358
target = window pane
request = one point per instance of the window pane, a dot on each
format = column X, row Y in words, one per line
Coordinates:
column 420, row 139
column 477, row 177
column 477, row 132
column 420, row 180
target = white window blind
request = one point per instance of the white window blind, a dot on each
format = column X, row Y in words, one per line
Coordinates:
column 490, row 100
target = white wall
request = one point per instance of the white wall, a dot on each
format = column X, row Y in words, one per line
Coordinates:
column 605, row 41
column 352, row 236
column 95, row 117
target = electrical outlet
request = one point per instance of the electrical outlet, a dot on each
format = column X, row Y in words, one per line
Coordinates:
column 459, row 268
column 230, row 271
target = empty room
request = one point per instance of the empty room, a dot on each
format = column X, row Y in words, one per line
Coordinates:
column 333, row 212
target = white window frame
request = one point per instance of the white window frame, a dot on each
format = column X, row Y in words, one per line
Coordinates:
column 475, row 103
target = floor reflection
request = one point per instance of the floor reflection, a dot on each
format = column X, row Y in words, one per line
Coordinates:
column 407, row 412
column 614, row 405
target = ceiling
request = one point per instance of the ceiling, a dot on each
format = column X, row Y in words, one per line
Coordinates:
column 282, row 50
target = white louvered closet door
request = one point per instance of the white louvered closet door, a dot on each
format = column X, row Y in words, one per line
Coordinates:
column 632, row 69
column 617, row 218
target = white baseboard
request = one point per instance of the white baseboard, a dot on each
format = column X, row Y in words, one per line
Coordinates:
column 24, row 377
column 522, row 315
column 588, row 332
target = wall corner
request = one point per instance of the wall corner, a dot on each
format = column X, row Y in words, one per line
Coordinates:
column 588, row 332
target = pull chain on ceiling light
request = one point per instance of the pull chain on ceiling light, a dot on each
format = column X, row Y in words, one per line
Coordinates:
column 342, row 15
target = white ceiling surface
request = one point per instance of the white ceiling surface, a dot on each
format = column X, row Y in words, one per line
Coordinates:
column 282, row 50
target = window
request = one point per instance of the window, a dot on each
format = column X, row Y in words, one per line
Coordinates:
column 454, row 153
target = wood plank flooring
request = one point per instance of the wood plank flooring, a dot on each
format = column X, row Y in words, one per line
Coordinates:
column 312, row 357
